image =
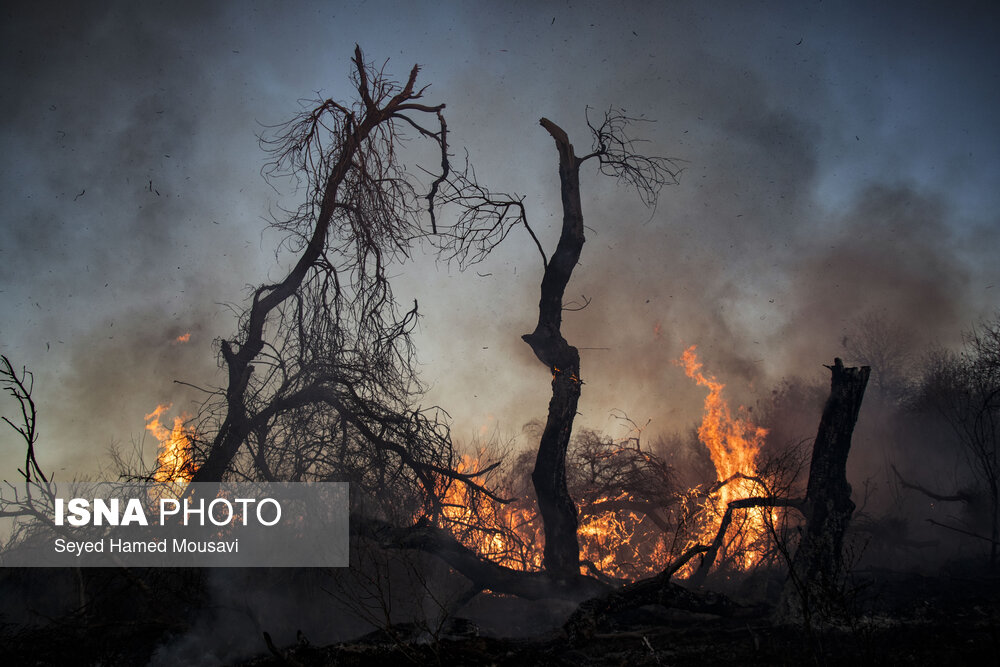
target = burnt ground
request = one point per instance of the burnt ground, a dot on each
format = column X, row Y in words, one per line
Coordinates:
column 909, row 620
column 901, row 619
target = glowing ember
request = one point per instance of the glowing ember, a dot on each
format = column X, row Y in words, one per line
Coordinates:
column 174, row 463
column 733, row 443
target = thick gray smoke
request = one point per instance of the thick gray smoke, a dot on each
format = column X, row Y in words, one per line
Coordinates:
column 839, row 165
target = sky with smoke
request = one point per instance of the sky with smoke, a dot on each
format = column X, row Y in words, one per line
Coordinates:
column 840, row 159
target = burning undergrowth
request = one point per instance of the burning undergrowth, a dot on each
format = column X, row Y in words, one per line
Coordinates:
column 636, row 516
column 643, row 505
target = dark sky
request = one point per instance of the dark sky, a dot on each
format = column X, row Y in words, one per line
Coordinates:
column 842, row 159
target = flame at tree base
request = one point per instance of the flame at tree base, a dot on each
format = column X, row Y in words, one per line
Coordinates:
column 619, row 537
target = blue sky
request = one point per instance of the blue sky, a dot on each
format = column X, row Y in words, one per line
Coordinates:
column 841, row 159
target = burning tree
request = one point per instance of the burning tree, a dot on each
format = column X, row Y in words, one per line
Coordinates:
column 321, row 380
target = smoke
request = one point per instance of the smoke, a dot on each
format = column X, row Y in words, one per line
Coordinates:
column 894, row 253
column 289, row 605
column 812, row 195
column 135, row 199
column 120, row 232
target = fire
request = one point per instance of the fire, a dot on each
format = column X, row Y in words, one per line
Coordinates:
column 620, row 544
column 499, row 532
column 618, row 535
column 734, row 443
column 183, row 338
column 174, row 464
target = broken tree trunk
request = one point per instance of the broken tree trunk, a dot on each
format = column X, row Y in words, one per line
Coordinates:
column 816, row 566
column 559, row 516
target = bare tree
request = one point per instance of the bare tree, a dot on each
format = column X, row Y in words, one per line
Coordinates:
column 965, row 390
column 616, row 154
column 881, row 344
column 321, row 381
column 31, row 499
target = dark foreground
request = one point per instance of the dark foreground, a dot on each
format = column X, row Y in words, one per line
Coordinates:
column 906, row 620
column 951, row 628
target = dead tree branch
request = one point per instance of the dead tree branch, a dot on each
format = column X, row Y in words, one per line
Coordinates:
column 658, row 590
column 482, row 573
column 955, row 498
column 698, row 578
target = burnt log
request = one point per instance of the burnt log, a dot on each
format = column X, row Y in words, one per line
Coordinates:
column 817, row 566
column 594, row 613
column 481, row 572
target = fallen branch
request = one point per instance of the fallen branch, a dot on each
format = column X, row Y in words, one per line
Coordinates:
column 658, row 590
column 956, row 498
column 962, row 531
column 698, row 578
column 481, row 572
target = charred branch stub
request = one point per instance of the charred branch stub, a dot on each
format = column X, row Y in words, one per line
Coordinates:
column 828, row 507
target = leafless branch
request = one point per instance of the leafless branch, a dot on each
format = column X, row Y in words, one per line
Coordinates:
column 619, row 156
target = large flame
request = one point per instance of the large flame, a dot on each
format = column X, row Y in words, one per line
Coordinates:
column 734, row 444
column 617, row 536
column 174, row 464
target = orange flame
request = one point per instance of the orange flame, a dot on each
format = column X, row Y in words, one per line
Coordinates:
column 621, row 544
column 734, row 443
column 617, row 541
column 183, row 338
column 174, row 464
column 499, row 532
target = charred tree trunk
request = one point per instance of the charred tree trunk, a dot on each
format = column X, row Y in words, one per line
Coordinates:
column 828, row 507
column 562, row 549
